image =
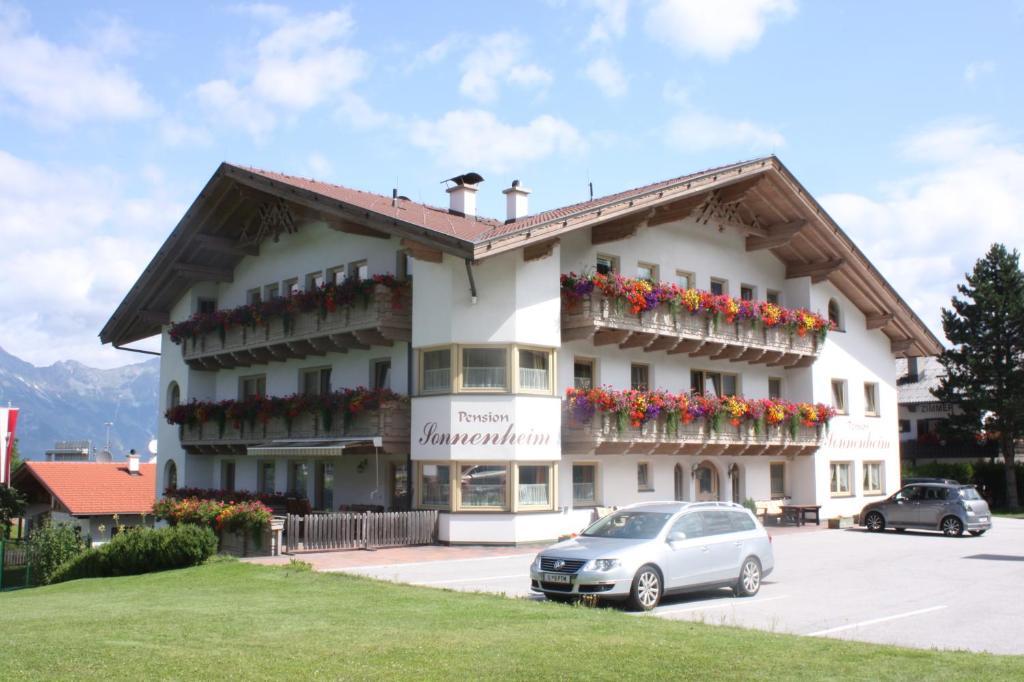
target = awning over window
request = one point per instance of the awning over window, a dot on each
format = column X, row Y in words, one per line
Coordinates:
column 310, row 447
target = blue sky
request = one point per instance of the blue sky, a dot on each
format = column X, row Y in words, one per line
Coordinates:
column 902, row 118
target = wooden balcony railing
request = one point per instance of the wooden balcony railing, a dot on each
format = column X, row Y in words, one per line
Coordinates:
column 601, row 435
column 595, row 317
column 390, row 422
column 381, row 322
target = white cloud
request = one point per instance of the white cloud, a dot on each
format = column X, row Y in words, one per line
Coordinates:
column 232, row 106
column 607, row 75
column 609, row 22
column 59, row 84
column 476, row 139
column 926, row 230
column 435, row 54
column 175, row 133
column 72, row 254
column 695, row 131
column 497, row 59
column 319, row 165
column 714, row 30
column 360, row 114
column 975, row 70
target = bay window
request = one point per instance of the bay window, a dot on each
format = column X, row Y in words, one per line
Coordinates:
column 483, row 486
column 534, row 372
column 437, row 371
column 435, row 485
column 534, row 486
column 484, row 368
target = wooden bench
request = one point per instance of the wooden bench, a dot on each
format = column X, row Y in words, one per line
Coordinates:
column 798, row 513
column 772, row 509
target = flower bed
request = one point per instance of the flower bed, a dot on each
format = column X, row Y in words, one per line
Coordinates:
column 323, row 300
column 636, row 408
column 640, row 295
column 348, row 402
column 234, row 522
column 269, row 499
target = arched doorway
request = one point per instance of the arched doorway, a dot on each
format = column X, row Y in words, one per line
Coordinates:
column 170, row 475
column 680, row 481
column 706, row 477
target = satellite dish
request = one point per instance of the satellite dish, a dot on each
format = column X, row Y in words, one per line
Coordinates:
column 152, row 446
column 104, row 457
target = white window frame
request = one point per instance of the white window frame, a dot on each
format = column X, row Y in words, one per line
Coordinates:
column 843, row 393
column 865, row 479
column 584, row 504
column 552, row 501
column 452, row 466
column 612, row 260
column 451, row 369
column 833, row 477
column 689, row 277
column 771, row 492
column 644, row 480
column 871, row 389
column 719, row 280
column 581, row 360
column 753, row 291
column 651, row 267
column 649, row 371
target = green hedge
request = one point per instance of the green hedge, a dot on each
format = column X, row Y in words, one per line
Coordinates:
column 989, row 477
column 142, row 550
column 50, row 546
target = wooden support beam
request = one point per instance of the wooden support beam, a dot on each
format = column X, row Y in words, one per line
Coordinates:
column 662, row 343
column 901, row 346
column 203, row 273
column 709, row 348
column 816, row 270
column 421, row 252
column 749, row 355
column 241, row 358
column 372, row 337
column 350, row 227
column 805, row 361
column 685, row 346
column 155, row 316
column 613, row 230
column 679, row 210
column 730, row 352
column 786, row 360
column 778, row 235
column 878, row 320
column 771, row 356
column 539, row 250
column 605, row 337
column 637, row 340
column 226, row 245
column 351, row 341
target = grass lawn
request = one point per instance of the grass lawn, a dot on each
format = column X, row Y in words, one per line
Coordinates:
column 234, row 620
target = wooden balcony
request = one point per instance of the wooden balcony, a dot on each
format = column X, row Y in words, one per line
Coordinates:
column 381, row 322
column 390, row 422
column 596, row 318
column 601, row 436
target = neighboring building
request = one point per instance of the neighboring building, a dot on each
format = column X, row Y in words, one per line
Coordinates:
column 88, row 495
column 70, row 451
column 483, row 343
column 923, row 418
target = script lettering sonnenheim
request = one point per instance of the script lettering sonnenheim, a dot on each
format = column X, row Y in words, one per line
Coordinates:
column 431, row 436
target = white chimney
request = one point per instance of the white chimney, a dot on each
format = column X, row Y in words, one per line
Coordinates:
column 463, row 199
column 516, row 202
column 133, row 463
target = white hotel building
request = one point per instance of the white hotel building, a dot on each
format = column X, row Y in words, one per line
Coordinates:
column 482, row 343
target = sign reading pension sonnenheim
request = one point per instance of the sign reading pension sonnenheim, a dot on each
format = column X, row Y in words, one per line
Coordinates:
column 486, row 428
column 859, row 436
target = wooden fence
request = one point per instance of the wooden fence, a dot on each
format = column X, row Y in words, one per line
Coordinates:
column 359, row 530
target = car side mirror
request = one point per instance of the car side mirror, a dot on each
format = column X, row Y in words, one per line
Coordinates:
column 676, row 536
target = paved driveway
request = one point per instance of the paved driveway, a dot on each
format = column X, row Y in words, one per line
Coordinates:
column 912, row 589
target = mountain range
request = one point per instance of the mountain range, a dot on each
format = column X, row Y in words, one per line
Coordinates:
column 70, row 401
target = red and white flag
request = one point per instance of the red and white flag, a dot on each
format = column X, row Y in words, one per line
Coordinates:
column 8, row 420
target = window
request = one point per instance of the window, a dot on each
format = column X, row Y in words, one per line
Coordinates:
column 435, row 485
column 252, row 387
column 777, row 472
column 483, row 486
column 271, row 291
column 584, row 485
column 314, row 280
column 398, row 484
column 298, row 478
column 872, row 478
column 291, row 286
column 437, row 371
column 904, row 426
column 583, row 373
column 833, row 313
column 316, row 381
column 841, row 475
column 227, row 476
column 324, row 485
column 253, row 296
column 336, row 275
column 359, row 270
column 684, row 279
column 643, row 477
column 639, row 377
column 647, row 271
column 534, row 485
column 719, row 286
column 775, row 388
column 691, row 525
column 533, row 370
column 403, row 265
column 773, row 297
column 870, row 399
column 266, row 477
column 747, row 292
column 381, row 374
column 173, row 395
column 170, row 475
column 484, row 368
column 205, row 306
column 839, row 395
column 714, row 383
column 607, row 264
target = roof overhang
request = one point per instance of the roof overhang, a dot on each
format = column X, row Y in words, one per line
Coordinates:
column 310, row 447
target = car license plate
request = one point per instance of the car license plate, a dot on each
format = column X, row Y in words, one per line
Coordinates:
column 557, row 578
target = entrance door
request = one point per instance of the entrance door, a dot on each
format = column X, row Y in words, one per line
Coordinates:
column 707, row 483
column 680, row 481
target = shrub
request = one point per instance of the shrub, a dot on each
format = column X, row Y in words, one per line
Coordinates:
column 958, row 471
column 244, row 517
column 990, row 477
column 143, row 550
column 189, row 510
column 51, row 545
column 750, row 504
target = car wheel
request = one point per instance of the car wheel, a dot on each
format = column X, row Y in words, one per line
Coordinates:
column 559, row 598
column 977, row 533
column 952, row 526
column 750, row 578
column 646, row 591
column 875, row 522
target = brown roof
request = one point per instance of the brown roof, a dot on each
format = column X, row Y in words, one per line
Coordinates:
column 88, row 488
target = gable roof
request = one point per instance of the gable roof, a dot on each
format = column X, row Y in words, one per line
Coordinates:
column 760, row 196
column 89, row 488
column 929, row 375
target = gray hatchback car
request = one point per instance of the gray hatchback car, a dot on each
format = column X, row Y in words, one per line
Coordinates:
column 641, row 552
column 951, row 508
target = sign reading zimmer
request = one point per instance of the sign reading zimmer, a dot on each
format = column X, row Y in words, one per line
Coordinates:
column 485, row 428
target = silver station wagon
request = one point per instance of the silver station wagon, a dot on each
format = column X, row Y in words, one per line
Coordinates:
column 949, row 507
column 644, row 551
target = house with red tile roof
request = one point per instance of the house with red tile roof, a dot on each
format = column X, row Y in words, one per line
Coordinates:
column 88, row 495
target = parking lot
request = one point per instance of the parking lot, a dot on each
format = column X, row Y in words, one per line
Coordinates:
column 913, row 589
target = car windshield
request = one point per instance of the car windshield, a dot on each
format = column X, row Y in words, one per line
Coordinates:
column 632, row 525
column 969, row 493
